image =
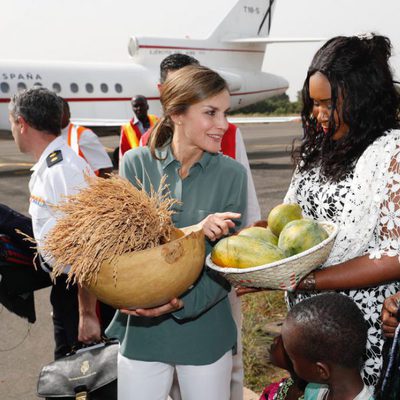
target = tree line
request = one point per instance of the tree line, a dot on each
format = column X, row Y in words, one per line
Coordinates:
column 277, row 105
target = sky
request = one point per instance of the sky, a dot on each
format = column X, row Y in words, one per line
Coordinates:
column 99, row 30
column 325, row 19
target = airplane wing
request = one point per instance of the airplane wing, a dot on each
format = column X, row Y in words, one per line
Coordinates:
column 262, row 120
column 89, row 122
column 270, row 40
column 234, row 120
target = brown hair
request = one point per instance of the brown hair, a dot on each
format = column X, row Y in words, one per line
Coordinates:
column 185, row 87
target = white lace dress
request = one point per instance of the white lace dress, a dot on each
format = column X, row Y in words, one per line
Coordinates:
column 366, row 206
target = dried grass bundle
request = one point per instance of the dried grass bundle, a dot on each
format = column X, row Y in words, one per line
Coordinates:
column 108, row 218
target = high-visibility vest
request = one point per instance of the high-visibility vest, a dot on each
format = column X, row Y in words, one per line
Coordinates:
column 74, row 135
column 228, row 143
column 130, row 134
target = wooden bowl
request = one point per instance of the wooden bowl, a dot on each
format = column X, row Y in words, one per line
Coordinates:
column 152, row 277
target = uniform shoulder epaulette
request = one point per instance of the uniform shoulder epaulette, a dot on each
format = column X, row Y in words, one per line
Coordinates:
column 54, row 158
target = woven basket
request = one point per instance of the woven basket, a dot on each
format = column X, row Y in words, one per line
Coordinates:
column 284, row 274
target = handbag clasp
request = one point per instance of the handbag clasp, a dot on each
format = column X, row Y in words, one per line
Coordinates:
column 81, row 395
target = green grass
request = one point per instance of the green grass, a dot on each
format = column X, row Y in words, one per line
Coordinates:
column 258, row 310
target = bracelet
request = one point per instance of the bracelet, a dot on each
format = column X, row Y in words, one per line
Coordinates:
column 308, row 283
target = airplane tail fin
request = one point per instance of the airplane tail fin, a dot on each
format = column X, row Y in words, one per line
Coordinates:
column 248, row 18
column 248, row 24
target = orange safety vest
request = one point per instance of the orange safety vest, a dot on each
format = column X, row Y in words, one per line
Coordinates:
column 74, row 135
column 130, row 134
column 228, row 144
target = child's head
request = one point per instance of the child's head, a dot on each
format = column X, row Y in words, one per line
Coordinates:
column 322, row 333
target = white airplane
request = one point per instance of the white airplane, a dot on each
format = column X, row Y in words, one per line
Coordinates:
column 99, row 94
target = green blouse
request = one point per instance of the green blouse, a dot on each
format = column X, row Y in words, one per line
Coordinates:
column 203, row 330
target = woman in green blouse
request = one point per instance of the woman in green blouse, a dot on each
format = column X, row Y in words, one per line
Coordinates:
column 194, row 334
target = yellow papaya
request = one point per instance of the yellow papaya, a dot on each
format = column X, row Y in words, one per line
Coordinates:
column 257, row 232
column 300, row 235
column 244, row 252
column 282, row 214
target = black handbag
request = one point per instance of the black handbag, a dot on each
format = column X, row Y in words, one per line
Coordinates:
column 19, row 278
column 88, row 373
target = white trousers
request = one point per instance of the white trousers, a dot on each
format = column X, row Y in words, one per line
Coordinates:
column 145, row 380
column 237, row 377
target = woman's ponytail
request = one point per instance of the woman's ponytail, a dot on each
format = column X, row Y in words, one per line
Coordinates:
column 161, row 134
column 377, row 46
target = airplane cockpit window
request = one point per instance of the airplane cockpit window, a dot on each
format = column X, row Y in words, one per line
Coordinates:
column 56, row 87
column 21, row 86
column 74, row 87
column 104, row 87
column 118, row 87
column 89, row 88
column 5, row 87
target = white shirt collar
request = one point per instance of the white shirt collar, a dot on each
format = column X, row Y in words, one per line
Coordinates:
column 134, row 120
column 64, row 131
column 56, row 144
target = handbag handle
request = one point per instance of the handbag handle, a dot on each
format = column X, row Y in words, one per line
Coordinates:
column 79, row 346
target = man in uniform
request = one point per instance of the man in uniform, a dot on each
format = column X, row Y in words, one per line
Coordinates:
column 85, row 143
column 142, row 121
column 35, row 117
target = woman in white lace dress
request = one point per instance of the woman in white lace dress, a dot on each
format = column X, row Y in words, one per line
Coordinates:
column 348, row 172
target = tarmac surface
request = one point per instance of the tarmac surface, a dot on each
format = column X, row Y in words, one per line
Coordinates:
column 25, row 348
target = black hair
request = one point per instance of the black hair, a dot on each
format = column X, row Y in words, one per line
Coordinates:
column 65, row 103
column 139, row 97
column 66, row 113
column 331, row 328
column 358, row 71
column 174, row 62
column 40, row 108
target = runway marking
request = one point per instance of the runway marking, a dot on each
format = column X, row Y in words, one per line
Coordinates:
column 267, row 146
column 16, row 165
